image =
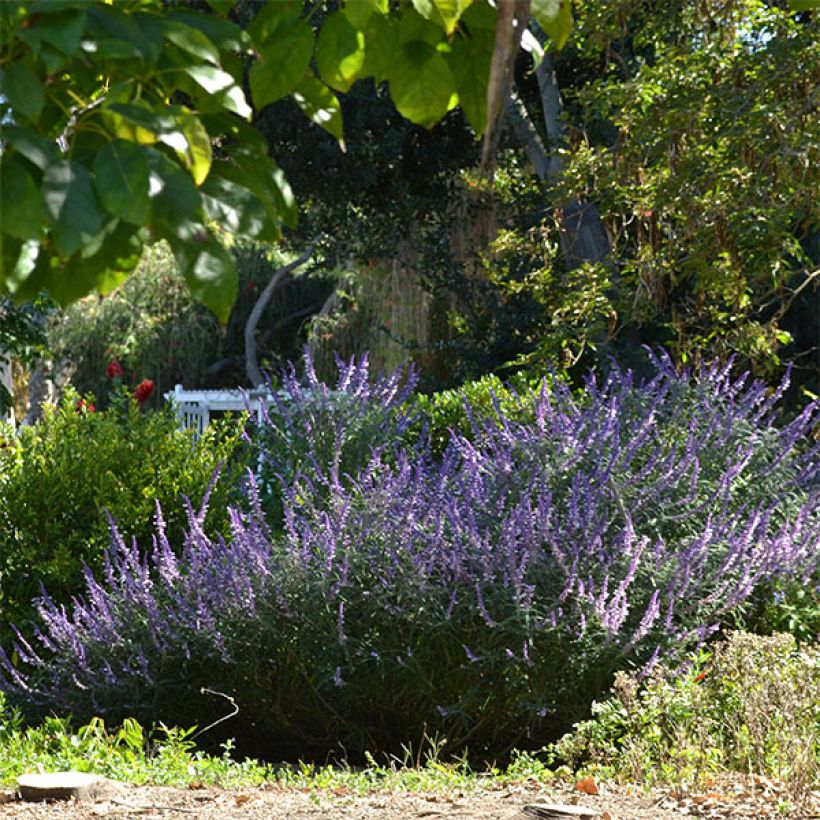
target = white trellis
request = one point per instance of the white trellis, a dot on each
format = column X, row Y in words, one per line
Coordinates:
column 194, row 407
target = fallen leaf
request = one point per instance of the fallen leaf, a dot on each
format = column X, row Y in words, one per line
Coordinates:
column 586, row 785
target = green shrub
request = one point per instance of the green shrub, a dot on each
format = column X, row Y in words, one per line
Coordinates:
column 750, row 704
column 447, row 410
column 61, row 478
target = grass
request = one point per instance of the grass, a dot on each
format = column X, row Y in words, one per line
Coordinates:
column 169, row 757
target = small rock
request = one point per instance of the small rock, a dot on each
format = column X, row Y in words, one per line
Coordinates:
column 558, row 811
column 62, row 786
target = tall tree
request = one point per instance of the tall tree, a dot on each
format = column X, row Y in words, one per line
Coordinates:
column 128, row 122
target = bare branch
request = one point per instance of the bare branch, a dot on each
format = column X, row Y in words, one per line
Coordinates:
column 251, row 361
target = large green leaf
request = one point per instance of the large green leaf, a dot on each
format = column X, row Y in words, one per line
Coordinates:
column 175, row 199
column 469, row 60
column 555, row 17
column 222, row 86
column 209, row 271
column 234, row 207
column 121, row 179
column 445, row 13
column 339, row 52
column 381, row 45
column 191, row 142
column 21, row 207
column 421, row 83
column 359, row 12
column 256, row 171
column 61, row 29
column 176, row 127
column 191, row 40
column 23, row 90
column 38, row 151
column 282, row 62
column 69, row 196
column 320, row 105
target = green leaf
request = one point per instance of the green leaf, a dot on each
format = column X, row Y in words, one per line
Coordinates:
column 190, row 40
column 470, row 60
column 210, row 272
column 38, row 151
column 339, row 52
column 222, row 86
column 23, row 213
column 804, row 5
column 282, row 63
column 234, row 207
column 176, row 127
column 555, row 17
column 24, row 90
column 137, row 123
column 19, row 260
column 221, row 6
column 224, row 34
column 256, row 171
column 69, row 196
column 421, row 83
column 412, row 26
column 175, row 199
column 359, row 12
column 272, row 17
column 382, row 43
column 63, row 30
column 445, row 13
column 121, row 178
column 320, row 105
column 99, row 267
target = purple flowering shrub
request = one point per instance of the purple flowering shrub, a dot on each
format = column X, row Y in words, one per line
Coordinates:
column 488, row 594
column 312, row 428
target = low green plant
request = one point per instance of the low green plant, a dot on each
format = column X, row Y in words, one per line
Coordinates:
column 64, row 479
column 169, row 756
column 749, row 704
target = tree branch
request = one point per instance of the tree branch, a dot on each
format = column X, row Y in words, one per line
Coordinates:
column 251, row 361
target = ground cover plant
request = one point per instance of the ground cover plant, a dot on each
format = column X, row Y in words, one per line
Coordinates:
column 487, row 596
column 749, row 704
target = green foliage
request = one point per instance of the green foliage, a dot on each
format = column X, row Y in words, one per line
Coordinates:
column 748, row 704
column 61, row 478
column 169, row 756
column 152, row 326
column 457, row 409
column 120, row 121
column 700, row 144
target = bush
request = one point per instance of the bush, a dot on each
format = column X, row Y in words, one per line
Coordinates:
column 313, row 430
column 750, row 704
column 62, row 478
column 488, row 596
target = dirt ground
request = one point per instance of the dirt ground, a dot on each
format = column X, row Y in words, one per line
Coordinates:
column 738, row 798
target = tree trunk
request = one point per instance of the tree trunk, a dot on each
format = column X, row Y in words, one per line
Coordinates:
column 583, row 236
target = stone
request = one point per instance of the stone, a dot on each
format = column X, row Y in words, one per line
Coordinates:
column 61, row 786
column 559, row 811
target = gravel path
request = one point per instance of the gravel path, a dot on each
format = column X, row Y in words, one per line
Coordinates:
column 735, row 799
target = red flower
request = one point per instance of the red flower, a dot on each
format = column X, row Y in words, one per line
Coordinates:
column 114, row 370
column 83, row 406
column 144, row 390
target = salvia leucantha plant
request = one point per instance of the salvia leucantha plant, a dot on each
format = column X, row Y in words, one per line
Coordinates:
column 487, row 595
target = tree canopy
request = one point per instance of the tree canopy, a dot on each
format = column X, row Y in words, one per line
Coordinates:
column 127, row 122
